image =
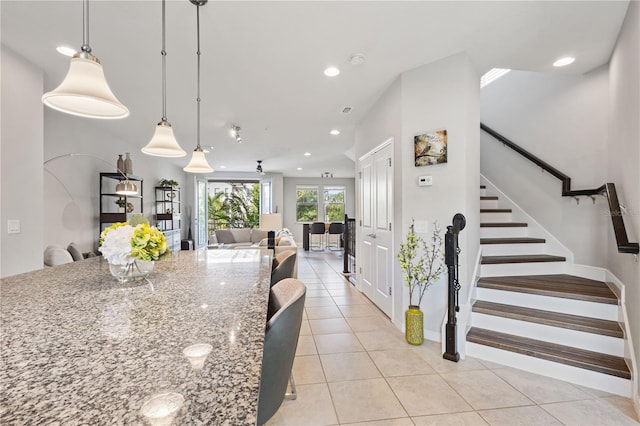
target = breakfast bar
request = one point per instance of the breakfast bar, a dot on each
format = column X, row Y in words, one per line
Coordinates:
column 80, row 348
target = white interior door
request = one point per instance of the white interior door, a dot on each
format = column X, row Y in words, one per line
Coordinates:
column 200, row 220
column 376, row 254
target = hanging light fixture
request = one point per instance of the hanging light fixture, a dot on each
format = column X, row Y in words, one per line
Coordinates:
column 84, row 91
column 259, row 167
column 235, row 132
column 164, row 143
column 198, row 163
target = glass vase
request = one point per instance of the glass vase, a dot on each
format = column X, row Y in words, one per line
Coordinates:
column 414, row 329
column 135, row 271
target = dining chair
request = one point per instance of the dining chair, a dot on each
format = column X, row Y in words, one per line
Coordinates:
column 286, row 304
column 286, row 262
column 335, row 228
column 317, row 228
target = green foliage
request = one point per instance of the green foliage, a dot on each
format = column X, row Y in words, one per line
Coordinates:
column 334, row 212
column 307, row 205
column 168, row 183
column 240, row 208
column 421, row 263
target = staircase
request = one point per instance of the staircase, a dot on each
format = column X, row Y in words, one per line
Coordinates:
column 531, row 313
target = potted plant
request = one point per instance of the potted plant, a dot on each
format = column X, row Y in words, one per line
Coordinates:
column 422, row 264
column 168, row 183
column 121, row 205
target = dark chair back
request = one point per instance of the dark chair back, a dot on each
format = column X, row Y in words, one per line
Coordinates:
column 286, row 305
column 286, row 264
column 317, row 228
column 336, row 228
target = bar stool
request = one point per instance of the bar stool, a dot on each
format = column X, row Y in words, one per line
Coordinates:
column 335, row 228
column 317, row 228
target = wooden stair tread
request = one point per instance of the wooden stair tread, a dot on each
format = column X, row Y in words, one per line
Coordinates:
column 503, row 225
column 557, row 285
column 496, row 211
column 516, row 240
column 594, row 361
column 554, row 319
column 488, row 197
column 521, row 258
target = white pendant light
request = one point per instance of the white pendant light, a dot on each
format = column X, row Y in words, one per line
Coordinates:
column 164, row 143
column 84, row 91
column 198, row 163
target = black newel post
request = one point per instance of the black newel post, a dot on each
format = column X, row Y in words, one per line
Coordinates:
column 451, row 251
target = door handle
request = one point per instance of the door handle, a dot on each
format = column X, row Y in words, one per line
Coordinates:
column 372, row 235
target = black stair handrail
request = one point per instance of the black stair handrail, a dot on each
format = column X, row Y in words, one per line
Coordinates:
column 624, row 246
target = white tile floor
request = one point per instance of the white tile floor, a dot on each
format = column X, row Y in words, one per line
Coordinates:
column 353, row 367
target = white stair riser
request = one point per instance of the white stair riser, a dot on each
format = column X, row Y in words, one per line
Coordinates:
column 579, row 376
column 483, row 192
column 561, row 336
column 548, row 303
column 488, row 204
column 495, row 217
column 506, row 232
column 514, row 249
column 533, row 268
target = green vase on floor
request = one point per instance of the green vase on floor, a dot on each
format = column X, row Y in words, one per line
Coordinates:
column 414, row 330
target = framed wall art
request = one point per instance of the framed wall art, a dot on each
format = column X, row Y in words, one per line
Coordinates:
column 430, row 148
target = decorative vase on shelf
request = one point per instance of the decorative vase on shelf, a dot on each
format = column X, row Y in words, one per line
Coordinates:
column 128, row 165
column 120, row 164
column 135, row 271
column 414, row 328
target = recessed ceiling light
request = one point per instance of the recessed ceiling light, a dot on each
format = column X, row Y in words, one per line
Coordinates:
column 299, row 168
column 564, row 61
column 307, row 154
column 331, row 72
column 335, row 132
column 66, row 51
column 223, row 167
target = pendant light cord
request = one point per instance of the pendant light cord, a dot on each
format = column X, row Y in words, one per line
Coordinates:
column 198, row 75
column 163, row 52
column 85, row 27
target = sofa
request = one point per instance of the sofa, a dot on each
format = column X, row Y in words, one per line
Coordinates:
column 242, row 238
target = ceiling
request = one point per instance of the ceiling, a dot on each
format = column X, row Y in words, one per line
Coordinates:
column 263, row 62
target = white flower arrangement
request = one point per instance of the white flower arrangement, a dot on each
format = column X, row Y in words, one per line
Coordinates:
column 122, row 244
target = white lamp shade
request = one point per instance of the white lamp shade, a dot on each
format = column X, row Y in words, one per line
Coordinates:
column 126, row 188
column 198, row 163
column 164, row 143
column 85, row 92
column 270, row 222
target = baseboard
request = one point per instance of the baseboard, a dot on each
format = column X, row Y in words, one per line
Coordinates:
column 636, row 405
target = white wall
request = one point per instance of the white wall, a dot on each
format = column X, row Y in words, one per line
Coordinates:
column 21, row 173
column 443, row 94
column 289, row 198
column 72, row 184
column 624, row 158
column 562, row 119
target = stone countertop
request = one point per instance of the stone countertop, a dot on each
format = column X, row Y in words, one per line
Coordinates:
column 80, row 348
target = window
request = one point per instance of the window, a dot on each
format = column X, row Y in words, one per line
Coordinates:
column 306, row 203
column 334, row 203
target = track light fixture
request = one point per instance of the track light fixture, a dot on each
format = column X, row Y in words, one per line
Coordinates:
column 326, row 175
column 235, row 133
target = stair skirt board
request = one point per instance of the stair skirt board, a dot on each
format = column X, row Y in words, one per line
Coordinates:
column 549, row 303
column 561, row 336
column 507, row 269
column 568, row 373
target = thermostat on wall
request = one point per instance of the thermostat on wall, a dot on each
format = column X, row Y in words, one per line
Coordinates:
column 425, row 180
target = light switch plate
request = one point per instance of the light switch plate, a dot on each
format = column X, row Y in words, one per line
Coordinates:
column 425, row 180
column 13, row 226
column 421, row 226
